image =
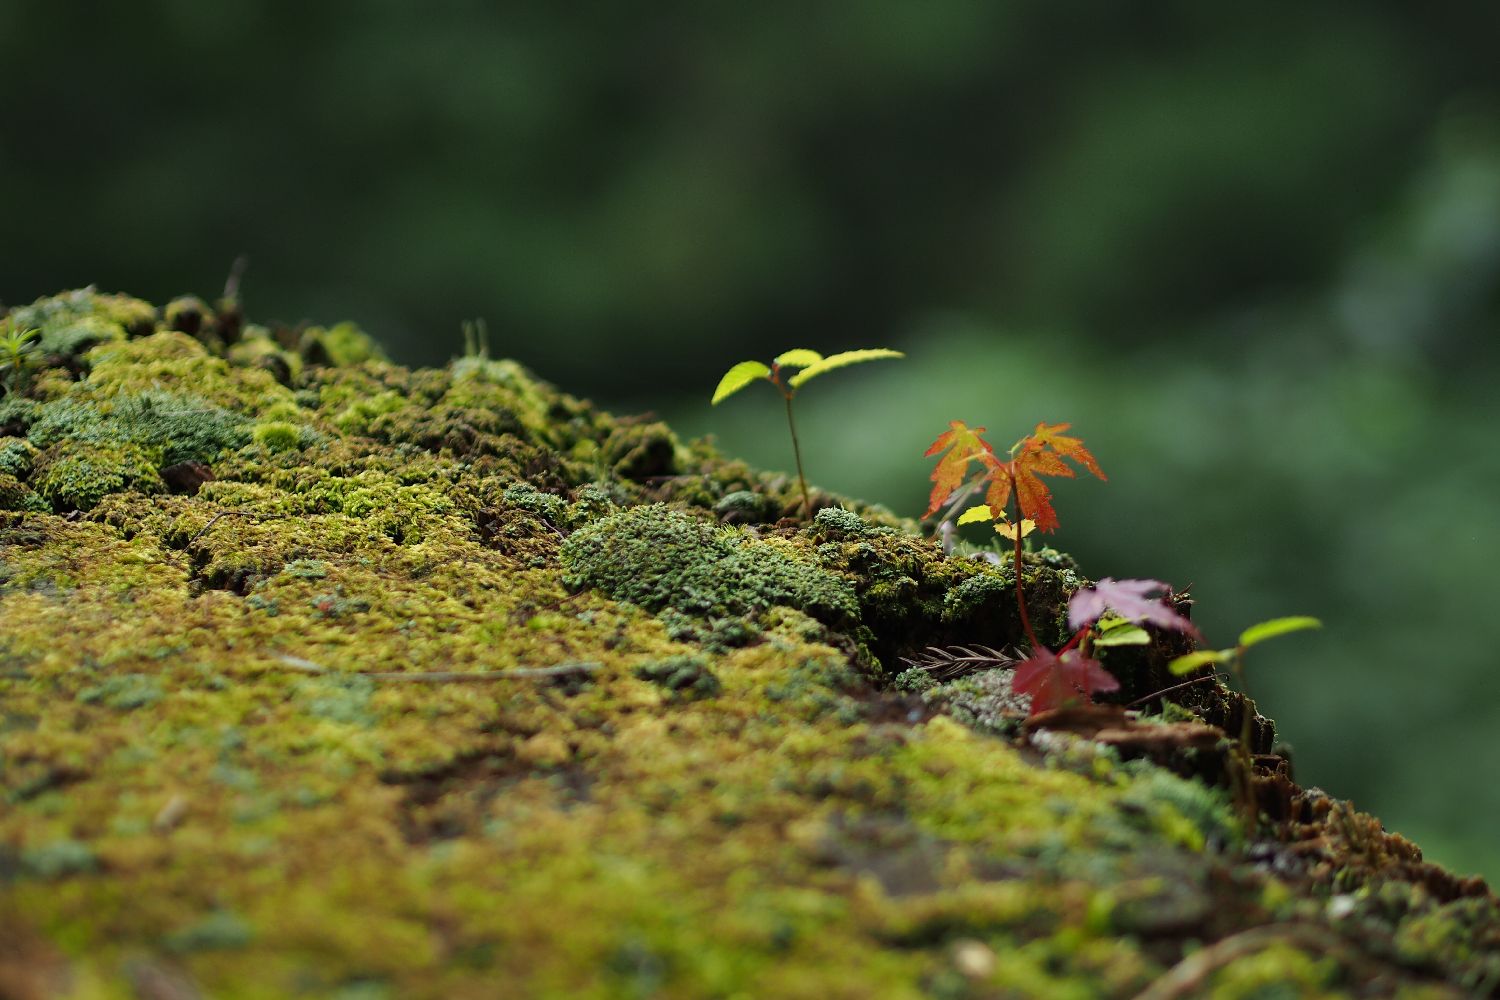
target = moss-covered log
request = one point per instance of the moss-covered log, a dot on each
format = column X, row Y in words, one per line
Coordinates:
column 323, row 677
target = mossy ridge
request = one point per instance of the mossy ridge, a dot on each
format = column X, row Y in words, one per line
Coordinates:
column 176, row 794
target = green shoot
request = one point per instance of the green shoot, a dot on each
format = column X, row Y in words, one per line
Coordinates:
column 16, row 348
column 476, row 339
column 805, row 365
column 1234, row 659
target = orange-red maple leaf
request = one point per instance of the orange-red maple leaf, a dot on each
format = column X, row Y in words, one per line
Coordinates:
column 1068, row 447
column 964, row 444
column 1041, row 454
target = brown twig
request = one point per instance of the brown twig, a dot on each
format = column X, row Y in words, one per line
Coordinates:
column 227, row 513
column 1174, row 687
column 1188, row 977
column 439, row 676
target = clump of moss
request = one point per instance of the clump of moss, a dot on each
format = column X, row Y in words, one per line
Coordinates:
column 124, row 691
column 174, row 426
column 686, row 677
column 74, row 321
column 76, row 475
column 16, row 457
column 746, row 507
column 343, row 345
column 16, row 495
column 639, row 451
column 277, row 435
column 659, row 558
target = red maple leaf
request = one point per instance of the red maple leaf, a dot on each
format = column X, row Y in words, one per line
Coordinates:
column 964, row 444
column 1054, row 679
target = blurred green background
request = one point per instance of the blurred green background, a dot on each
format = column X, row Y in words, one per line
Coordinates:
column 1252, row 252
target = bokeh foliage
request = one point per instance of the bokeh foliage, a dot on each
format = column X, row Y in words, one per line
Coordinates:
column 1252, row 252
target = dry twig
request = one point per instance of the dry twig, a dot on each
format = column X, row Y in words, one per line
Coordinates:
column 439, row 676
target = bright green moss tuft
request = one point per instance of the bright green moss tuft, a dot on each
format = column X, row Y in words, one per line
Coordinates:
column 277, row 435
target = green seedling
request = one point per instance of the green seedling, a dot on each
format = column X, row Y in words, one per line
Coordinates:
column 804, row 366
column 1233, row 659
column 17, row 349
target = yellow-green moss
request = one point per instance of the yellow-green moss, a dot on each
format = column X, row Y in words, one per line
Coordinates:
column 76, row 475
column 719, row 799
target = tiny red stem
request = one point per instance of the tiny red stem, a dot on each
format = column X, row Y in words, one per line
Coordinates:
column 1020, row 591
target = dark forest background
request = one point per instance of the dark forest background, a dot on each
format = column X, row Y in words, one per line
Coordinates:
column 1252, row 252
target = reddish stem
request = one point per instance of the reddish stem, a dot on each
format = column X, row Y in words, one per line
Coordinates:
column 1020, row 592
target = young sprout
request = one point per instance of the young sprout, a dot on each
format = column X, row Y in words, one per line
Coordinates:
column 806, row 365
column 1234, row 659
column 1015, row 479
column 16, row 347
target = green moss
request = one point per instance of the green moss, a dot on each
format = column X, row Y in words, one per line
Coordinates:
column 683, row 676
column 197, row 770
column 660, row 558
column 15, row 495
column 211, row 933
column 277, row 435
column 1279, row 970
column 343, row 345
column 173, row 427
column 16, row 457
column 74, row 321
column 59, row 858
column 76, row 475
column 124, row 691
column 1184, row 811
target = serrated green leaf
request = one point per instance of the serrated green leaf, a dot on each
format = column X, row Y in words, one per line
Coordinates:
column 1124, row 634
column 974, row 514
column 833, row 361
column 798, row 357
column 738, row 377
column 1276, row 626
column 1192, row 661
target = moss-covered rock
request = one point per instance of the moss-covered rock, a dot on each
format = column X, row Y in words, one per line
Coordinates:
column 443, row 683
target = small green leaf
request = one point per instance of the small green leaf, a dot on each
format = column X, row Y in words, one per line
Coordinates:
column 738, row 377
column 973, row 514
column 1192, row 661
column 798, row 357
column 833, row 361
column 1277, row 626
column 1123, row 634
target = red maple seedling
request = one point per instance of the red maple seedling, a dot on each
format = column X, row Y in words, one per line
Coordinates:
column 1017, row 477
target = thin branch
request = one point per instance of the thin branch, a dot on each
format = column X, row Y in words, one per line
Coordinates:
column 1188, row 977
column 1174, row 687
column 440, row 676
column 227, row 513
